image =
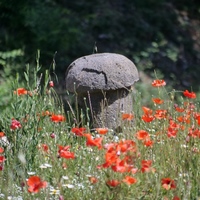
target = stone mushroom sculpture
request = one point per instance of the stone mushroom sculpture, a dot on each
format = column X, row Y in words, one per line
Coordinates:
column 104, row 80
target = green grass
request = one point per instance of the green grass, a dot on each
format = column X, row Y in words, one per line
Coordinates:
column 33, row 149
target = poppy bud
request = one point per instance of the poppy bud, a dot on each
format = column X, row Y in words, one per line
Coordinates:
column 51, row 83
column 53, row 135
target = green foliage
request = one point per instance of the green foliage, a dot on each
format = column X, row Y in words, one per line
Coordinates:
column 32, row 149
column 161, row 35
column 11, row 63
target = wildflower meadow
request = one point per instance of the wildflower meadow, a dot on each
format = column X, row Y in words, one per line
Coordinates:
column 48, row 152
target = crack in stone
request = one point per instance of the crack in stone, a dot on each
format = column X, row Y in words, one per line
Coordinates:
column 97, row 72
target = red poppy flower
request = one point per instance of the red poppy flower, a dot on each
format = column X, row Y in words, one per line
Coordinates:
column 142, row 135
column 105, row 165
column 160, row 114
column 63, row 148
column 2, row 134
column 168, row 183
column 184, row 119
column 35, row 184
column 109, row 146
column 113, row 183
column 15, row 124
column 21, row 91
column 44, row 147
column 126, row 145
column 158, row 83
column 93, row 142
column 147, row 111
column 157, row 100
column 178, row 109
column 129, row 180
column 171, row 132
column 2, row 159
column 173, row 124
column 102, row 131
column 188, row 94
column 148, row 143
column 1, row 150
column 147, row 118
column 78, row 131
column 147, row 166
column 111, row 158
column 198, row 119
column 57, row 118
column 127, row 116
column 65, row 153
column 121, row 166
column 194, row 133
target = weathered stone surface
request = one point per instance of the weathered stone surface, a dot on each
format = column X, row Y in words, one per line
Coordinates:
column 104, row 80
column 107, row 107
column 105, row 71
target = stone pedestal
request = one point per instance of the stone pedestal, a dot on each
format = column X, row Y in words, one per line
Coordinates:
column 107, row 108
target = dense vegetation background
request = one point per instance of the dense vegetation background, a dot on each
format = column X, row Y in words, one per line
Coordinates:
column 161, row 35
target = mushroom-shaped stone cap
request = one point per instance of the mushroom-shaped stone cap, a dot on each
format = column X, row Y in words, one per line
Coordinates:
column 102, row 71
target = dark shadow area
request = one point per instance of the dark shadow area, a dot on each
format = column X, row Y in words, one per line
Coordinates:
column 156, row 35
